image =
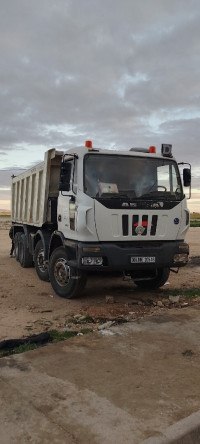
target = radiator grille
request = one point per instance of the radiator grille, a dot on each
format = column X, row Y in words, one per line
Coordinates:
column 130, row 224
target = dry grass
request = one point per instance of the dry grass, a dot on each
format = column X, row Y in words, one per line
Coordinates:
column 194, row 216
column 5, row 213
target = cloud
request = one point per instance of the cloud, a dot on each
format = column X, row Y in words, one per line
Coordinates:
column 122, row 73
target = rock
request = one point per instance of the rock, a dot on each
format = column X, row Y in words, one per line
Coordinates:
column 106, row 333
column 109, row 299
column 105, row 325
column 166, row 302
column 67, row 330
column 174, row 299
column 159, row 304
column 184, row 304
column 82, row 318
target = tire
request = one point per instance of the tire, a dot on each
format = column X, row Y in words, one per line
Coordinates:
column 25, row 258
column 41, row 269
column 158, row 281
column 16, row 244
column 66, row 281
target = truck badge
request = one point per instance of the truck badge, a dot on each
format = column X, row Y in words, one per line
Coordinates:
column 139, row 229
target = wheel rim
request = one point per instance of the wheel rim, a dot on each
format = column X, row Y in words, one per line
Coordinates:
column 62, row 272
column 40, row 261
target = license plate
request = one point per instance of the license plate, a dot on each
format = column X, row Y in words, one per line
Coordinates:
column 142, row 259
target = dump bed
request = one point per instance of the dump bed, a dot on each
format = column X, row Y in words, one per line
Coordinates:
column 34, row 192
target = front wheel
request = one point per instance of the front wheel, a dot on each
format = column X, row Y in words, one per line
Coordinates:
column 66, row 281
column 152, row 284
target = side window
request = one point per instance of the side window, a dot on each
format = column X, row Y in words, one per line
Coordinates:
column 65, row 176
column 168, row 179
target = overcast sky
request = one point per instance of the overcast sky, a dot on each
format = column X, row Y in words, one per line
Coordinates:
column 121, row 73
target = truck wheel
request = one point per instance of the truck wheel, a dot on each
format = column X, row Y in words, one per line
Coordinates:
column 40, row 266
column 25, row 258
column 66, row 281
column 158, row 281
column 16, row 244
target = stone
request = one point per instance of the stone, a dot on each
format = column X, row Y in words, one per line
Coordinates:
column 105, row 325
column 174, row 299
column 106, row 332
column 109, row 299
column 82, row 318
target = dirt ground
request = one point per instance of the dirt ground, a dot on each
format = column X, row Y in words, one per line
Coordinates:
column 29, row 306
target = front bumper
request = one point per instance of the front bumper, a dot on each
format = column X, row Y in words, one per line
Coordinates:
column 171, row 254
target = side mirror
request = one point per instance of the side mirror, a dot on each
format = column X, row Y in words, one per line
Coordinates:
column 186, row 177
column 65, row 176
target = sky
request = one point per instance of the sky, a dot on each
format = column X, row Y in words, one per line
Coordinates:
column 121, row 74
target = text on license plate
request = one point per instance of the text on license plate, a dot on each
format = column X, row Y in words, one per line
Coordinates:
column 142, row 259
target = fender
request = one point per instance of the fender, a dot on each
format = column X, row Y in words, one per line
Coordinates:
column 57, row 240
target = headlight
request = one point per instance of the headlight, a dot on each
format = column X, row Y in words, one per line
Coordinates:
column 92, row 261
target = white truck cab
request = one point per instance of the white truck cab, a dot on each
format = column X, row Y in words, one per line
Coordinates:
column 105, row 211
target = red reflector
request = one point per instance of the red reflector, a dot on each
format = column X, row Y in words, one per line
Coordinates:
column 144, row 224
column 152, row 149
column 88, row 144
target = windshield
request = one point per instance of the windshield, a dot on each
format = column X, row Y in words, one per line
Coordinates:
column 110, row 176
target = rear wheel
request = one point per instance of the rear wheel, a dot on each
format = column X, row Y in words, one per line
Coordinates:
column 16, row 244
column 39, row 261
column 66, row 281
column 158, row 281
column 25, row 258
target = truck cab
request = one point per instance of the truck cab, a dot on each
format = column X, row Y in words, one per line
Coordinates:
column 122, row 211
column 104, row 211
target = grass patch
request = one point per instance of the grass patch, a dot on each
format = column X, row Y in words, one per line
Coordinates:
column 57, row 336
column 188, row 293
column 85, row 331
column 195, row 219
column 18, row 350
column 195, row 223
column 53, row 336
column 78, row 321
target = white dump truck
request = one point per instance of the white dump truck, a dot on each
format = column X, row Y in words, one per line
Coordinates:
column 92, row 210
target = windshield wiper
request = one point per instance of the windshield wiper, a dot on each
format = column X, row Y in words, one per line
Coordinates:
column 157, row 195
